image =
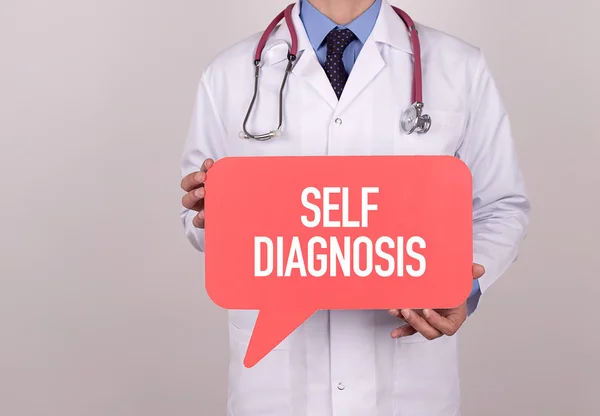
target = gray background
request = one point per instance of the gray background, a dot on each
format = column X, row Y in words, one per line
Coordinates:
column 102, row 305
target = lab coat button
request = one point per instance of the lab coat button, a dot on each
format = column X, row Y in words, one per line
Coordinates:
column 341, row 386
column 338, row 121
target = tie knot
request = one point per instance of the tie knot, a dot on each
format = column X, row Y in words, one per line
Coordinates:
column 338, row 40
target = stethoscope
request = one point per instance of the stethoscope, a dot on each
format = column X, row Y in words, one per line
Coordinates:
column 413, row 119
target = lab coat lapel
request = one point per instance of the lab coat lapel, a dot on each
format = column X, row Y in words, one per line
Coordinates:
column 389, row 30
column 367, row 66
column 311, row 71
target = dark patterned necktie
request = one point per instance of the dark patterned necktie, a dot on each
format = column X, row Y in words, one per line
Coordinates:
column 337, row 42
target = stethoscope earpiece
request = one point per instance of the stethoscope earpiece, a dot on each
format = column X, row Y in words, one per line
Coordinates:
column 275, row 133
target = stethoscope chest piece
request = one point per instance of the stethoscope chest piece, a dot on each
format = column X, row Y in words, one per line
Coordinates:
column 413, row 120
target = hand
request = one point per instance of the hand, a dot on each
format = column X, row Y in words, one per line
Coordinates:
column 430, row 323
column 193, row 184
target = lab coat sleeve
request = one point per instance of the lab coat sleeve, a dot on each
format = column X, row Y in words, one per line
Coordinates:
column 206, row 138
column 500, row 204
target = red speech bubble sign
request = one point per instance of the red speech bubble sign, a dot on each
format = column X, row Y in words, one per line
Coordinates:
column 292, row 235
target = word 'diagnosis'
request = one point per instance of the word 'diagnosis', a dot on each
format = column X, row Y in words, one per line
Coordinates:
column 327, row 210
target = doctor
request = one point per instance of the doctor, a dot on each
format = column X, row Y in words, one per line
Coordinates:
column 349, row 85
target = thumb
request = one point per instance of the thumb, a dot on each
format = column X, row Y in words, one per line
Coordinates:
column 478, row 270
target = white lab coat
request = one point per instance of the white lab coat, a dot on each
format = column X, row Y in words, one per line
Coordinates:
column 344, row 363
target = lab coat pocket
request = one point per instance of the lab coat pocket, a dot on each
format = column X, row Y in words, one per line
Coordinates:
column 425, row 380
column 243, row 322
column 443, row 138
column 264, row 389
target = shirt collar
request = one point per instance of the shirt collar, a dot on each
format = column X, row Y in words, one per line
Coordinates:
column 318, row 25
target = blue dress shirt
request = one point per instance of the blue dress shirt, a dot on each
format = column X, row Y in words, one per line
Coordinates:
column 317, row 27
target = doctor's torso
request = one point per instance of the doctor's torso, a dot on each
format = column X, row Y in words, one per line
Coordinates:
column 341, row 363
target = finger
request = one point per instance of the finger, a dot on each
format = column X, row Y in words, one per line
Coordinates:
column 447, row 325
column 193, row 181
column 403, row 331
column 198, row 220
column 397, row 314
column 478, row 270
column 194, row 200
column 420, row 324
column 206, row 165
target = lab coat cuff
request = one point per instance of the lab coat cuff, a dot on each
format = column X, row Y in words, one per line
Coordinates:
column 485, row 281
column 195, row 235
